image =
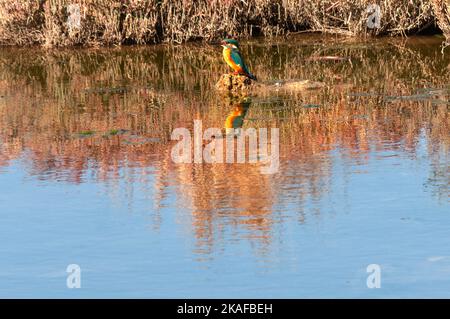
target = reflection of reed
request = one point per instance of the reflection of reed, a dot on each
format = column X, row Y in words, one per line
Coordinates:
column 224, row 197
column 130, row 100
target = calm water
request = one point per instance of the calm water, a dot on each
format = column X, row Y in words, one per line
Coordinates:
column 86, row 175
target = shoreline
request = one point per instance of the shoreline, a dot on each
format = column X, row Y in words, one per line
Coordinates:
column 308, row 38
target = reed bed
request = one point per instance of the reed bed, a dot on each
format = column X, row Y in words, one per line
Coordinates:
column 106, row 22
column 441, row 10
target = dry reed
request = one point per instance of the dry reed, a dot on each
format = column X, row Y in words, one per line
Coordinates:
column 108, row 22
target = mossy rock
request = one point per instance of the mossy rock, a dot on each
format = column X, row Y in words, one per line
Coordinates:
column 234, row 84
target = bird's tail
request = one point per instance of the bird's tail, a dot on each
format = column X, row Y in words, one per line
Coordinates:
column 251, row 76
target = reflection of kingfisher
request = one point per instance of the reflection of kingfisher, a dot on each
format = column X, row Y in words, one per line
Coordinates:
column 234, row 59
column 235, row 120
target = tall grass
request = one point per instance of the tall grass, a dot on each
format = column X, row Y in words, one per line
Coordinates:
column 441, row 10
column 109, row 22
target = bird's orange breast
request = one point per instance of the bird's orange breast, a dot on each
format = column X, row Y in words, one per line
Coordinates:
column 229, row 60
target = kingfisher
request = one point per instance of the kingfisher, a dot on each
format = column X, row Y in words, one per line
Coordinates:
column 234, row 59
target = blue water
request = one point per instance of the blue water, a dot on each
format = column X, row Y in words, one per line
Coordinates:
column 122, row 253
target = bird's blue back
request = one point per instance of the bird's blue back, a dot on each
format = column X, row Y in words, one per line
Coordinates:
column 238, row 59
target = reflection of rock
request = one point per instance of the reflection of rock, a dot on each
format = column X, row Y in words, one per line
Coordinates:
column 298, row 85
column 240, row 84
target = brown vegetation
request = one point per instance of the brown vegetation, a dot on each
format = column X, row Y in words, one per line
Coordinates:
column 441, row 10
column 108, row 22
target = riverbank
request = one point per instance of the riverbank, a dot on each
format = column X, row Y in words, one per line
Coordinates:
column 54, row 23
